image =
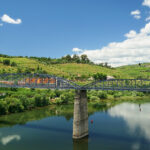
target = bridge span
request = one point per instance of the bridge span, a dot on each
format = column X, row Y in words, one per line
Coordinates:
column 22, row 80
column 80, row 120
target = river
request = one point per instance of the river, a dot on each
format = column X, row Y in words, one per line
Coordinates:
column 124, row 126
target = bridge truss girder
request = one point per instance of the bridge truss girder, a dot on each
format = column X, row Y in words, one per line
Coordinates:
column 20, row 80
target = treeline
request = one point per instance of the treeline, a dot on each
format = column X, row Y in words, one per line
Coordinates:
column 8, row 63
column 65, row 59
column 14, row 100
column 7, row 56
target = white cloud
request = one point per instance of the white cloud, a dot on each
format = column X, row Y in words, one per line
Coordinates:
column 1, row 24
column 131, row 34
column 135, row 49
column 7, row 19
column 136, row 14
column 135, row 116
column 145, row 30
column 147, row 19
column 146, row 3
column 76, row 50
column 9, row 138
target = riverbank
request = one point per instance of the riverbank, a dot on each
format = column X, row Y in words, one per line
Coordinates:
column 13, row 100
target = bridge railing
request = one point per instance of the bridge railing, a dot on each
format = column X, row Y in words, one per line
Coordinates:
column 120, row 84
column 19, row 80
column 35, row 81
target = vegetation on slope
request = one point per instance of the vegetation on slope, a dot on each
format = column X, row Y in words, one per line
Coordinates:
column 13, row 100
column 79, row 72
column 18, row 100
column 70, row 68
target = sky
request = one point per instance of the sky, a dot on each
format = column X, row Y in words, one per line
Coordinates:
column 113, row 31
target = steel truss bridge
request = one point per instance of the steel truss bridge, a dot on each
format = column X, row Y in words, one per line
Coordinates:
column 20, row 80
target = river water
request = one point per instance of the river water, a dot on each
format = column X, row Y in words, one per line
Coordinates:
column 124, row 126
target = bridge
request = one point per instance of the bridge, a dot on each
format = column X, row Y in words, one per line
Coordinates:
column 80, row 120
column 22, row 80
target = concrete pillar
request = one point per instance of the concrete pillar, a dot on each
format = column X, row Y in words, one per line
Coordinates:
column 80, row 119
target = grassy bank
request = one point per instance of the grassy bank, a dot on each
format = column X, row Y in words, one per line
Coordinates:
column 14, row 100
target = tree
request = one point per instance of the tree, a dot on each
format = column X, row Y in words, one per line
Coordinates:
column 27, row 70
column 68, row 58
column 38, row 68
column 84, row 59
column 76, row 58
column 106, row 64
column 100, row 76
column 19, row 70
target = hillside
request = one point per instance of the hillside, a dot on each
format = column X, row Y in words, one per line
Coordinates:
column 73, row 71
column 136, row 71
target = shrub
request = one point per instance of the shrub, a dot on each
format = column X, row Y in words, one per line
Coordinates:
column 3, row 107
column 100, row 76
column 58, row 101
column 66, row 97
column 13, row 89
column 52, row 94
column 57, row 93
column 38, row 101
column 29, row 94
column 140, row 94
column 102, row 95
column 32, row 89
column 134, row 93
column 41, row 101
column 45, row 101
column 116, row 95
column 111, row 92
column 93, row 93
column 25, row 102
column 31, row 103
column 27, row 70
column 94, row 98
column 6, row 62
column 14, row 105
column 13, row 64
column 19, row 70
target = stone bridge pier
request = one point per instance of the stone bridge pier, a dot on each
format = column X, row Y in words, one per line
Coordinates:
column 80, row 118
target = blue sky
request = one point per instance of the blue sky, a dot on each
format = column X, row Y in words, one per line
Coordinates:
column 52, row 28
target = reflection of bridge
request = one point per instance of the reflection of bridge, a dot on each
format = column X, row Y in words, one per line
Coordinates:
column 80, row 121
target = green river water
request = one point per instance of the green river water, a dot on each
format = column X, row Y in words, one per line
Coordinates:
column 125, row 126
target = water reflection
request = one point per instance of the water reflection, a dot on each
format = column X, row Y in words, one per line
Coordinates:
column 37, row 114
column 7, row 139
column 137, row 117
column 80, row 144
column 124, row 126
column 42, row 128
